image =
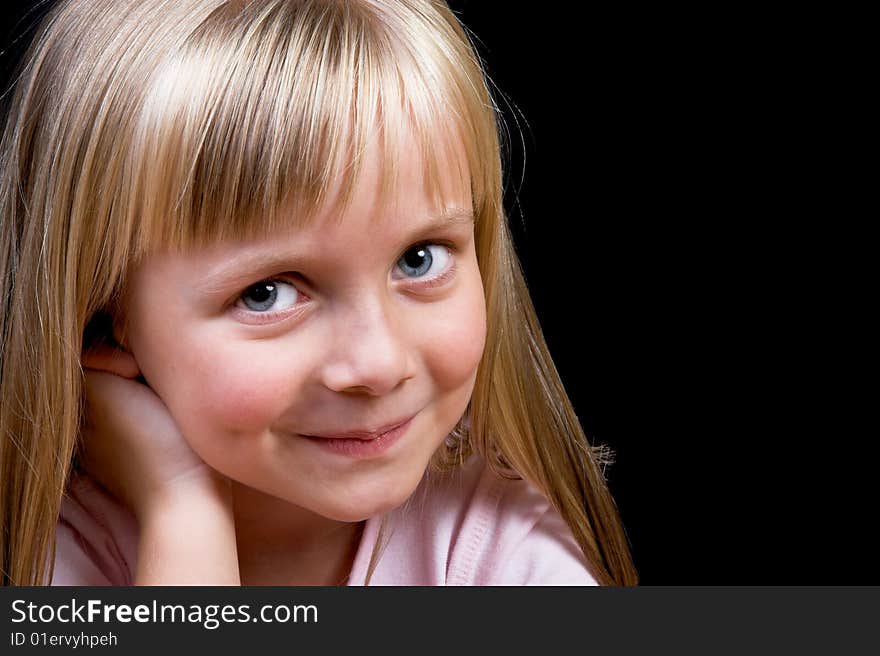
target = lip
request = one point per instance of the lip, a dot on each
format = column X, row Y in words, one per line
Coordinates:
column 362, row 447
column 361, row 434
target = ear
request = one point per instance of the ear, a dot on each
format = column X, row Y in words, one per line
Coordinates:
column 111, row 358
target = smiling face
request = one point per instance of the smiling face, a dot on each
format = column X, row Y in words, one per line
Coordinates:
column 337, row 326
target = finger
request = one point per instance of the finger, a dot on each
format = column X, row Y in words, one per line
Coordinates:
column 118, row 403
column 106, row 392
column 112, row 359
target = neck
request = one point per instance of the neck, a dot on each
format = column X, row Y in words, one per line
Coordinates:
column 283, row 544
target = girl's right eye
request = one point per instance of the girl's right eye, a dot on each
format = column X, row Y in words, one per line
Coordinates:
column 268, row 297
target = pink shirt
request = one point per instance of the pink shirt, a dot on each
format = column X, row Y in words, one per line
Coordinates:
column 472, row 528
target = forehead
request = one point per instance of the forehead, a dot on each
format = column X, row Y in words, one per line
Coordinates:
column 342, row 246
column 374, row 215
column 394, row 182
column 398, row 174
column 383, row 192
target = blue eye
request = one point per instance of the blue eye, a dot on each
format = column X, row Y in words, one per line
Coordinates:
column 418, row 260
column 269, row 295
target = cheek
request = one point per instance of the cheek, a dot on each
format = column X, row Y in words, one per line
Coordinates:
column 454, row 343
column 215, row 391
column 244, row 395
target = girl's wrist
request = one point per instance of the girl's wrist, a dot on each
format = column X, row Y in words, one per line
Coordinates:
column 208, row 491
column 187, row 536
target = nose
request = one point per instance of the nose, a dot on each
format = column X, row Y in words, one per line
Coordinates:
column 369, row 352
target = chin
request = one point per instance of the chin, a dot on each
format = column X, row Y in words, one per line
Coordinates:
column 377, row 498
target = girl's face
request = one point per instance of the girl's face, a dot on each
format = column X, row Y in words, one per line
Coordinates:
column 342, row 326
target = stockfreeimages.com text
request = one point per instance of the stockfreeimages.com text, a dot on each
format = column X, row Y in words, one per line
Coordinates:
column 210, row 616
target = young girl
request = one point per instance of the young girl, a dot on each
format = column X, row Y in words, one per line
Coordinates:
column 264, row 322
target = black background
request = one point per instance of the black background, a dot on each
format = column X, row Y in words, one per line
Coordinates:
column 669, row 257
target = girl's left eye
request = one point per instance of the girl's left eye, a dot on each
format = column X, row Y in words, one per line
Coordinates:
column 422, row 258
column 268, row 295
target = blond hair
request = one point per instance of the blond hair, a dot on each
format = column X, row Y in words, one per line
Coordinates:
column 140, row 123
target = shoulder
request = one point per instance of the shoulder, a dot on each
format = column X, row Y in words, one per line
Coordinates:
column 95, row 537
column 477, row 528
column 517, row 538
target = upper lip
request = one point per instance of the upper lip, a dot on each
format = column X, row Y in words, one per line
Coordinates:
column 360, row 434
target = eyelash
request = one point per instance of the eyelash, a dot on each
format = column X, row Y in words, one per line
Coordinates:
column 274, row 315
column 270, row 316
column 439, row 280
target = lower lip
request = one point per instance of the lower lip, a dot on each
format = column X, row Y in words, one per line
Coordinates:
column 354, row 448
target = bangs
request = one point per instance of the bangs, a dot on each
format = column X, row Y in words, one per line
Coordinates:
column 263, row 118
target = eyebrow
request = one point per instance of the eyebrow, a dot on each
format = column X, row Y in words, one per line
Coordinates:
column 243, row 268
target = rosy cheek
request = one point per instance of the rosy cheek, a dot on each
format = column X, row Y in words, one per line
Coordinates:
column 217, row 392
column 244, row 395
column 455, row 342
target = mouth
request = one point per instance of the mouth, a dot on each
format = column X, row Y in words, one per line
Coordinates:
column 361, row 444
column 364, row 435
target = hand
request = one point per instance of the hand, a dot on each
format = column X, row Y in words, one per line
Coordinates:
column 132, row 445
